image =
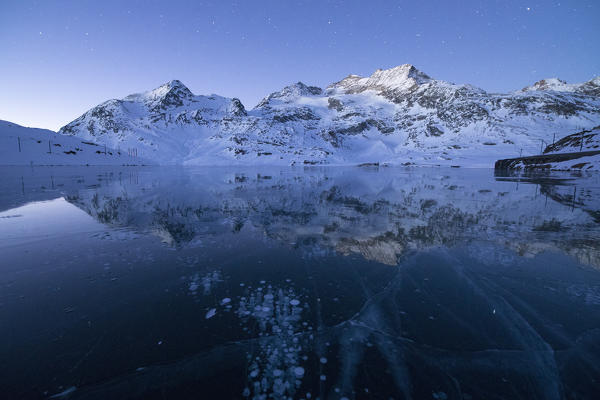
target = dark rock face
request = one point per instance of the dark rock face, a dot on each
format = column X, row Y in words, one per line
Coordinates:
column 591, row 88
column 298, row 114
column 334, row 104
column 288, row 93
column 175, row 97
column 236, row 108
column 433, row 130
column 586, row 140
column 542, row 162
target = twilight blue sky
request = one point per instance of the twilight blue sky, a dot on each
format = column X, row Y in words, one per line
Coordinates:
column 60, row 58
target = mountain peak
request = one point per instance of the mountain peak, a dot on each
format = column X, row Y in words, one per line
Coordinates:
column 548, row 84
column 301, row 89
column 591, row 87
column 402, row 77
column 175, row 86
column 172, row 89
column 297, row 89
column 399, row 77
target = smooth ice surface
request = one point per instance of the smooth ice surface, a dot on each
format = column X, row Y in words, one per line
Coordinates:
column 289, row 282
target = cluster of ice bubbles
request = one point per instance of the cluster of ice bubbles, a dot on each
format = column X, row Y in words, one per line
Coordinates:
column 207, row 282
column 275, row 366
column 274, row 315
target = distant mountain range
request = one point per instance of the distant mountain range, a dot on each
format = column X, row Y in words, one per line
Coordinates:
column 399, row 116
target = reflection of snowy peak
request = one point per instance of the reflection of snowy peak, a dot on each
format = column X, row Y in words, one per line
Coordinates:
column 380, row 216
column 396, row 116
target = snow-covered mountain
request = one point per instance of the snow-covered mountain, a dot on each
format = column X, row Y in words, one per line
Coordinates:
column 31, row 146
column 395, row 116
column 168, row 124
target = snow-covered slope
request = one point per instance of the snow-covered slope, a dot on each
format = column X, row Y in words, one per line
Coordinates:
column 31, row 146
column 168, row 124
column 396, row 116
column 573, row 143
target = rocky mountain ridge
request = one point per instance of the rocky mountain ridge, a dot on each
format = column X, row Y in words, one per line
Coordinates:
column 399, row 116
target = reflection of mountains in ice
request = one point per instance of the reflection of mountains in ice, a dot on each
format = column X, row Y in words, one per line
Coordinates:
column 380, row 215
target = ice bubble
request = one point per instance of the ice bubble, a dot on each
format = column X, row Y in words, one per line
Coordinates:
column 225, row 300
column 277, row 372
column 294, row 302
column 299, row 371
column 323, row 360
column 323, row 377
column 211, row 313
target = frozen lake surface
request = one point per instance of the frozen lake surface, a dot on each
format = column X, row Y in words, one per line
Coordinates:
column 153, row 283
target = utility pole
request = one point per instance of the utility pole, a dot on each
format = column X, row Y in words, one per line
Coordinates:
column 104, row 149
column 19, row 139
column 521, row 153
column 541, row 146
column 553, row 137
column 581, row 144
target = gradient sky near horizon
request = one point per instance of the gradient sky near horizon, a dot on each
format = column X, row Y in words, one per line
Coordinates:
column 60, row 58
